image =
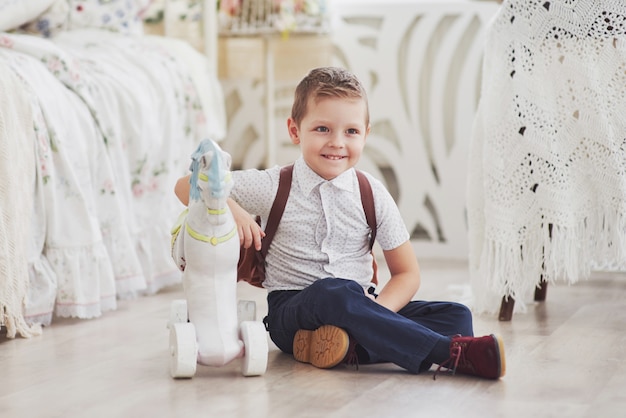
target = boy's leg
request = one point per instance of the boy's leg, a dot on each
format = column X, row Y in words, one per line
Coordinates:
column 445, row 318
column 342, row 303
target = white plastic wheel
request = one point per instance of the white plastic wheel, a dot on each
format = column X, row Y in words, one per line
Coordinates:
column 254, row 338
column 178, row 312
column 246, row 310
column 183, row 350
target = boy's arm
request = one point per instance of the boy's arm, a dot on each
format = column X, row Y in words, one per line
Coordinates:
column 182, row 189
column 405, row 277
column 249, row 231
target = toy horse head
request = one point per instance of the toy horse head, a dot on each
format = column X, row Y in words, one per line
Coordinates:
column 210, row 178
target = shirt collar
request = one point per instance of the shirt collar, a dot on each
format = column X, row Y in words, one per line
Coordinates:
column 307, row 179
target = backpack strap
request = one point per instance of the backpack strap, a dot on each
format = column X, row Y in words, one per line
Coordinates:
column 280, row 201
column 367, row 200
column 278, row 207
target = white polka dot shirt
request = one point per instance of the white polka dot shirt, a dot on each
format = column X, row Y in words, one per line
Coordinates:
column 323, row 231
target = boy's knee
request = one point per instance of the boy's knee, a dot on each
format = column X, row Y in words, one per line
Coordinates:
column 464, row 317
column 335, row 292
column 462, row 309
column 338, row 286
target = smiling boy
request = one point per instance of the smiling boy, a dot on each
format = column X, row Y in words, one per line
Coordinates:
column 319, row 264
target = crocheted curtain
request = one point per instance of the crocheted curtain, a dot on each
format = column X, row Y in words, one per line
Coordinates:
column 547, row 167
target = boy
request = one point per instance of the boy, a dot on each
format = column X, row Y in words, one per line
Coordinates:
column 319, row 264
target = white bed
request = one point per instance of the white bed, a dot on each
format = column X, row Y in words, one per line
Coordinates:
column 108, row 121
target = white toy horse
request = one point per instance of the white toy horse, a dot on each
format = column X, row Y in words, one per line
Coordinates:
column 205, row 246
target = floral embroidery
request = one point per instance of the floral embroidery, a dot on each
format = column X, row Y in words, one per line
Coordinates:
column 107, row 187
column 6, row 41
column 43, row 150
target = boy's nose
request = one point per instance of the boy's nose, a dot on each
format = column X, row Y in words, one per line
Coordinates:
column 335, row 140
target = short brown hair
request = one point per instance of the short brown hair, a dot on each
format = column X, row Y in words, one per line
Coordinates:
column 326, row 82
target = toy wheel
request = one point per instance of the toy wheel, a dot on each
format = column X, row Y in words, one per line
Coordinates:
column 178, row 312
column 255, row 342
column 183, row 350
column 246, row 310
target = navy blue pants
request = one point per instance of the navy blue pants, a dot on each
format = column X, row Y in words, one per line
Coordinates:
column 404, row 338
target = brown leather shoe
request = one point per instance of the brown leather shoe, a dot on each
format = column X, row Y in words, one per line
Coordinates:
column 324, row 347
column 477, row 356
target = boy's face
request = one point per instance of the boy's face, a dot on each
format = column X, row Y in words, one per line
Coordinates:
column 331, row 135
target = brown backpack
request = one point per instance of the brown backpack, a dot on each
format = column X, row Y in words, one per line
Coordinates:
column 251, row 267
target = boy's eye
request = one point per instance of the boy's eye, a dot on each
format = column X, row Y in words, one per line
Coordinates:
column 352, row 131
column 321, row 129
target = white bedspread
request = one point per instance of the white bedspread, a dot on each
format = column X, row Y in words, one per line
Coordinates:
column 115, row 120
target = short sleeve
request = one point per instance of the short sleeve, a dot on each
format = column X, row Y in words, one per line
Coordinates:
column 254, row 190
column 391, row 231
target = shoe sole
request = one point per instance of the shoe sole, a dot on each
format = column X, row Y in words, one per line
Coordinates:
column 501, row 355
column 324, row 348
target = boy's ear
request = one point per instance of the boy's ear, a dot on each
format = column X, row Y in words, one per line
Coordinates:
column 294, row 132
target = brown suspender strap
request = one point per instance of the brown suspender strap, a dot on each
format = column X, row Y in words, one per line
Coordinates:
column 367, row 200
column 280, row 201
column 278, row 207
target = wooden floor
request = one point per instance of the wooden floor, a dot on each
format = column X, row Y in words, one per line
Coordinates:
column 565, row 358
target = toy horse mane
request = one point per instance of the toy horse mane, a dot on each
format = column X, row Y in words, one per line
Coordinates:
column 215, row 167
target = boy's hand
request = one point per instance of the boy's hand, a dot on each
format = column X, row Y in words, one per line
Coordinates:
column 249, row 231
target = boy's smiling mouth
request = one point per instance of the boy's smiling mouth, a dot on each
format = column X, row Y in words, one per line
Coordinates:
column 333, row 157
